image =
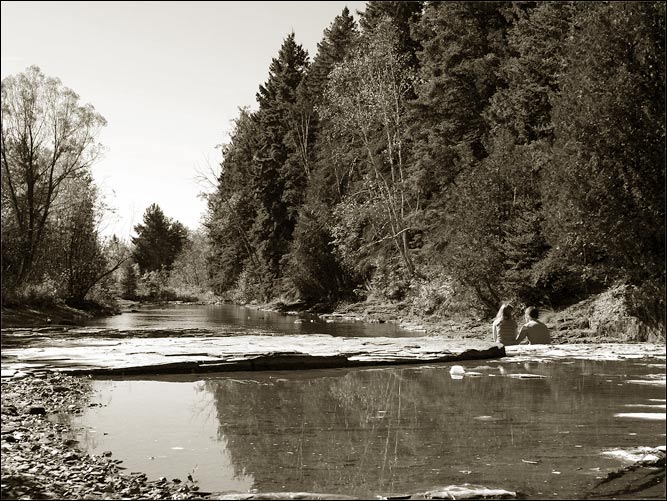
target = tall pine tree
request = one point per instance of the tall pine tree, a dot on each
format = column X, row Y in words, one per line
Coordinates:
column 311, row 266
column 279, row 180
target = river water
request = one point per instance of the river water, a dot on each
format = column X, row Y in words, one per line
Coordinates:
column 546, row 430
column 244, row 320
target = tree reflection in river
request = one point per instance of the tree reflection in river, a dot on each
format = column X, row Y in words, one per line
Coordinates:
column 370, row 430
column 540, row 429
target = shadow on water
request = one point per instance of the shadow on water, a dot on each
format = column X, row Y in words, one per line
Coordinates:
column 379, row 431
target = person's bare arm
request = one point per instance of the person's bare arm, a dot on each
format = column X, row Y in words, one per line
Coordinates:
column 522, row 335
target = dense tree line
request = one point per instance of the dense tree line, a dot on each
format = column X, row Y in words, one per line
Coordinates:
column 514, row 150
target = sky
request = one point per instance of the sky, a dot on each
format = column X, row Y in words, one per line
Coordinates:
column 169, row 78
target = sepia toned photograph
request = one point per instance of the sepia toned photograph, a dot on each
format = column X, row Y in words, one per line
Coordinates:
column 330, row 250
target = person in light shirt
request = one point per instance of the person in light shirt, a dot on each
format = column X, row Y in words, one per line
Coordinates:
column 534, row 330
column 504, row 326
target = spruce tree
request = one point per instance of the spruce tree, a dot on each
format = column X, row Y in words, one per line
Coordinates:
column 463, row 46
column 605, row 189
column 158, row 240
column 279, row 180
column 311, row 266
column 232, row 208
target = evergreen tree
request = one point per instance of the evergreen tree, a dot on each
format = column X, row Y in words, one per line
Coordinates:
column 463, row 46
column 232, row 208
column 158, row 240
column 311, row 266
column 128, row 281
column 520, row 140
column 402, row 14
column 604, row 191
column 279, row 181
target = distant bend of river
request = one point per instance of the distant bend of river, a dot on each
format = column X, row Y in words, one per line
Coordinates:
column 242, row 319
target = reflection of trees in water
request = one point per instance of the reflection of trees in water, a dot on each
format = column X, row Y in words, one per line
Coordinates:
column 364, row 431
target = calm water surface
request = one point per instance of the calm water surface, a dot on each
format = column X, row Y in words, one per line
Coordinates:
column 369, row 432
column 232, row 318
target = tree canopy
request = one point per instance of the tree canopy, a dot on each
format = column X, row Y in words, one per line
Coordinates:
column 514, row 150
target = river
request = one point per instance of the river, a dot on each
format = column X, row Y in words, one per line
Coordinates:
column 241, row 319
column 549, row 430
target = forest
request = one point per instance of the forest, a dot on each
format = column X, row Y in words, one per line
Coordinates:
column 454, row 154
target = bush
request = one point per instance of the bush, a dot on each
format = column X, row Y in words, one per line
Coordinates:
column 647, row 303
column 248, row 288
column 44, row 293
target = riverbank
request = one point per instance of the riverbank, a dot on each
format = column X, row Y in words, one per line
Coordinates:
column 44, row 315
column 600, row 318
column 40, row 460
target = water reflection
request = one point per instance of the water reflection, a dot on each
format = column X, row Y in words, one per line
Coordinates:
column 381, row 431
column 232, row 318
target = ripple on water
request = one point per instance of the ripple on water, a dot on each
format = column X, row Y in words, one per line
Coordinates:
column 653, row 416
column 649, row 406
column 650, row 382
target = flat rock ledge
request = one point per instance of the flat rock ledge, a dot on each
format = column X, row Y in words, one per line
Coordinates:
column 465, row 491
column 180, row 353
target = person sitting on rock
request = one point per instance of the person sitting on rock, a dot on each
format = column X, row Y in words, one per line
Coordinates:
column 504, row 326
column 534, row 330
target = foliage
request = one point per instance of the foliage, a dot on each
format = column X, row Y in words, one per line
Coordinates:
column 153, row 285
column 490, row 151
column 48, row 142
column 604, row 187
column 263, row 179
column 77, row 246
column 159, row 240
column 231, row 207
column 311, row 268
column 189, row 271
column 129, row 281
column 365, row 101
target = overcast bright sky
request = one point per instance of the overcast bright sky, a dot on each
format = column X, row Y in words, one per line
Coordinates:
column 168, row 77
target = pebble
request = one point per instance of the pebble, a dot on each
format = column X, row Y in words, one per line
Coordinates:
column 42, row 451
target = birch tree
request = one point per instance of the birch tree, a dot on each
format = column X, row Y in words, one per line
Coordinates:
column 366, row 99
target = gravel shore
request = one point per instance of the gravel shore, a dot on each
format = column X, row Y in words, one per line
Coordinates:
column 40, row 460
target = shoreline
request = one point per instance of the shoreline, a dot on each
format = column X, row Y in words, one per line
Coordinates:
column 571, row 325
column 40, row 460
